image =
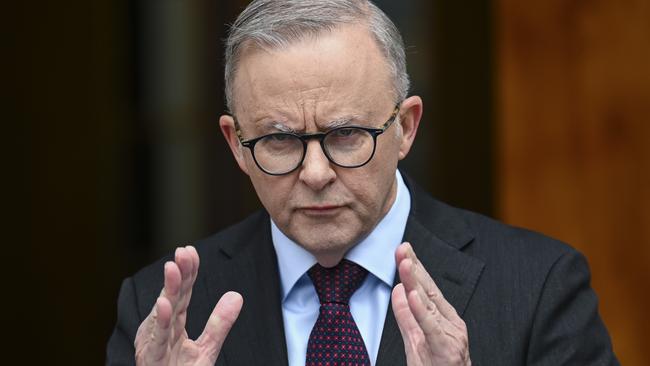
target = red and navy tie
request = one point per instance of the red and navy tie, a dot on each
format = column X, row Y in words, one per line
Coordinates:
column 335, row 339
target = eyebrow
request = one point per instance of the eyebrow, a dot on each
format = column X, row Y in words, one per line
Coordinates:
column 330, row 125
column 341, row 121
column 282, row 127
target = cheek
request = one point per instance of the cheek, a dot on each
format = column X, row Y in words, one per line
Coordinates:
column 273, row 192
column 366, row 188
column 372, row 185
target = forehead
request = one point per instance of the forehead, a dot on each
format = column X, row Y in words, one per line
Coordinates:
column 341, row 71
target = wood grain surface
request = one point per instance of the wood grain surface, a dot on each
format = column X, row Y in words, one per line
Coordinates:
column 573, row 143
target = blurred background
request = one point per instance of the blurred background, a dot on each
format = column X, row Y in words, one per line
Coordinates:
column 536, row 113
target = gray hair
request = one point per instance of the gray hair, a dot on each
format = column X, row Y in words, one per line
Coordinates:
column 273, row 24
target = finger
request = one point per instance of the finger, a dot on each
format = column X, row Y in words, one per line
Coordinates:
column 152, row 335
column 160, row 335
column 430, row 320
column 401, row 252
column 407, row 275
column 172, row 286
column 410, row 281
column 412, row 334
column 406, row 268
column 406, row 322
column 193, row 257
column 194, row 254
column 185, row 263
column 219, row 324
column 431, row 290
column 170, row 291
column 183, row 259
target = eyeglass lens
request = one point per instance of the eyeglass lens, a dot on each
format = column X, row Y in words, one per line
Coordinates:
column 282, row 153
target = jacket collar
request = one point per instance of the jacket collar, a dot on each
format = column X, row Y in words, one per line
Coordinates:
column 438, row 234
column 250, row 268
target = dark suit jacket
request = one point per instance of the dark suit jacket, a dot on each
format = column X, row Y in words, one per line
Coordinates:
column 525, row 298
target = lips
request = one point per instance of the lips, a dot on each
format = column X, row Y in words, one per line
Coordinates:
column 319, row 210
column 321, row 207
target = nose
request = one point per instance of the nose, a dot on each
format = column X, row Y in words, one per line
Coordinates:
column 316, row 171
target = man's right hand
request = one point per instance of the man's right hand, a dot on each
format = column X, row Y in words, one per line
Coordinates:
column 162, row 339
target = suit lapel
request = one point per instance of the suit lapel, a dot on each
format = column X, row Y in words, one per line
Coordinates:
column 257, row 338
column 437, row 235
column 455, row 272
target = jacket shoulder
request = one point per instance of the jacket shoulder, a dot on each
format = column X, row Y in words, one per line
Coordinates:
column 495, row 240
column 148, row 281
column 481, row 236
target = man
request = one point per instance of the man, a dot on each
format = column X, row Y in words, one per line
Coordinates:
column 350, row 263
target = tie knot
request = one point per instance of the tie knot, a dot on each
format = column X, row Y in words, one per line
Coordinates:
column 337, row 284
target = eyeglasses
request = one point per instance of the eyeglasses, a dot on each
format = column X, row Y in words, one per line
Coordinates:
column 281, row 153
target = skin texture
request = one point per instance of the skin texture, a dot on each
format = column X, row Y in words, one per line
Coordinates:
column 324, row 208
column 339, row 75
column 161, row 338
column 432, row 330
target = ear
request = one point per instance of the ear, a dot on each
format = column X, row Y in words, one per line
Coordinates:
column 409, row 119
column 227, row 124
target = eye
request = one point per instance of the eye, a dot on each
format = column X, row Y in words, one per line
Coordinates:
column 278, row 141
column 278, row 137
column 345, row 132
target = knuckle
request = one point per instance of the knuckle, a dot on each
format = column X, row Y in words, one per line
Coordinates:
column 433, row 294
column 433, row 311
column 460, row 357
column 464, row 342
column 462, row 326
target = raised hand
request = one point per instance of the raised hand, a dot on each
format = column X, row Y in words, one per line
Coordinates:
column 161, row 338
column 433, row 332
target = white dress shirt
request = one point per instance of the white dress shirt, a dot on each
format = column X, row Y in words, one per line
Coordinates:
column 368, row 305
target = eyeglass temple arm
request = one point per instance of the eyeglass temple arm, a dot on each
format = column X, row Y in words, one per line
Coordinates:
column 238, row 130
column 392, row 117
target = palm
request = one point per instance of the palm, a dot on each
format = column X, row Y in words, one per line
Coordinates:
column 162, row 338
column 432, row 331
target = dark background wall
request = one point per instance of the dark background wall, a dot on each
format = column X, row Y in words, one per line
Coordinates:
column 120, row 159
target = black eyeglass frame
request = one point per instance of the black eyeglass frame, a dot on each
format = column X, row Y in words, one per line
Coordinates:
column 304, row 138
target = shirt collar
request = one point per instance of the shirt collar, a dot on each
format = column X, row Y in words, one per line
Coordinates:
column 375, row 253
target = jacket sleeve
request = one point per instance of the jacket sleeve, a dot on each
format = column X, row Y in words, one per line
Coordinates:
column 567, row 329
column 120, row 350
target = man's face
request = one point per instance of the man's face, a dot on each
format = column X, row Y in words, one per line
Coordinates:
column 339, row 76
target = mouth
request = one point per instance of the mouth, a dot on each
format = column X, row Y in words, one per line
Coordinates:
column 320, row 210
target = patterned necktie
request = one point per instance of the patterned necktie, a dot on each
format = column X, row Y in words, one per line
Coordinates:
column 335, row 339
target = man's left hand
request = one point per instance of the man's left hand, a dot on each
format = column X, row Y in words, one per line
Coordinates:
column 433, row 332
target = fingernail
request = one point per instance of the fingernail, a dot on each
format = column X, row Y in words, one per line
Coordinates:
column 231, row 297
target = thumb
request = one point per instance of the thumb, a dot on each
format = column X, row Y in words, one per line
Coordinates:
column 220, row 322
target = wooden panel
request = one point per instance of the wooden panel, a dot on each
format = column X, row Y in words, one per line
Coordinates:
column 573, row 136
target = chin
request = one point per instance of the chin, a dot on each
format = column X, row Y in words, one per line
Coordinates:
column 328, row 243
